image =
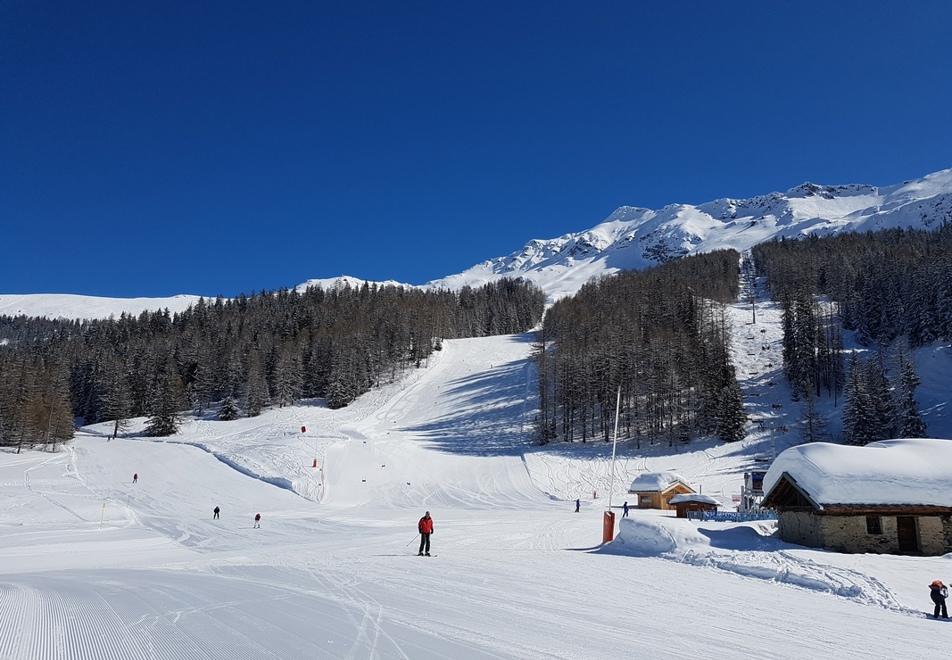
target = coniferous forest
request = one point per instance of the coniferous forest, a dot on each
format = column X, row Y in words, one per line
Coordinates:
column 235, row 357
column 893, row 289
column 659, row 335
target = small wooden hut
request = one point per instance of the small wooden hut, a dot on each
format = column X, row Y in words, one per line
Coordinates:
column 655, row 489
column 693, row 502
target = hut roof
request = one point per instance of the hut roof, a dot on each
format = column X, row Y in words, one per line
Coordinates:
column 694, row 497
column 655, row 482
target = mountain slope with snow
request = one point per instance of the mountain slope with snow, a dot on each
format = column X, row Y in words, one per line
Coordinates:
column 631, row 238
column 93, row 566
column 635, row 238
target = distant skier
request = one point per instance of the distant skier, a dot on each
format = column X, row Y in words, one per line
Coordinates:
column 257, row 521
column 939, row 592
column 578, row 505
column 425, row 527
column 216, row 512
column 135, row 478
column 624, row 509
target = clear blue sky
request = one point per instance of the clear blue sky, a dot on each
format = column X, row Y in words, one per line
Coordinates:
column 156, row 148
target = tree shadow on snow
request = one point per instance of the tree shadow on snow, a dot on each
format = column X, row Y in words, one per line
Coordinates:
column 491, row 414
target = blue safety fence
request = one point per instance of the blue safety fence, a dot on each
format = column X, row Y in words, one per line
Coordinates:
column 731, row 516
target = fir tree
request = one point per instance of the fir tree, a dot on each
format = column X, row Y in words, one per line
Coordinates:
column 910, row 422
column 860, row 418
column 229, row 409
column 167, row 403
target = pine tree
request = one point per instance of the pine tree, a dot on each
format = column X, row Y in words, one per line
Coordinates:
column 115, row 396
column 882, row 395
column 812, row 424
column 257, row 396
column 860, row 418
column 288, row 377
column 168, row 400
column 910, row 422
column 229, row 409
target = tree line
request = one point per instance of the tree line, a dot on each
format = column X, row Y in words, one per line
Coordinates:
column 880, row 399
column 236, row 357
column 893, row 288
column 661, row 337
column 887, row 284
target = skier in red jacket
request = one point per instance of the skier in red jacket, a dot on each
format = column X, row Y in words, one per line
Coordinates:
column 425, row 526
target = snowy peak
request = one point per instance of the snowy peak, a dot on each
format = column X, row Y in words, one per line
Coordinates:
column 343, row 281
column 636, row 238
column 631, row 238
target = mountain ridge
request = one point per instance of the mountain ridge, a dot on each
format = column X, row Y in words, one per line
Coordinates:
column 630, row 238
column 562, row 264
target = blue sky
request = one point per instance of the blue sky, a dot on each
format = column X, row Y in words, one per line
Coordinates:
column 213, row 148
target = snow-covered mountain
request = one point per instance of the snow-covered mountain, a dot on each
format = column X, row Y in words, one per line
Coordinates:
column 343, row 281
column 635, row 238
column 630, row 238
column 72, row 306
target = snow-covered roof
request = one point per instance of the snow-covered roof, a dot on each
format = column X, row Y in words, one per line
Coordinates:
column 694, row 497
column 892, row 472
column 651, row 482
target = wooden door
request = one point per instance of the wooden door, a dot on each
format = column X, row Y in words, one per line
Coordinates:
column 908, row 534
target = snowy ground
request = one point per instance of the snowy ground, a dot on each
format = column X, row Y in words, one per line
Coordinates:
column 94, row 566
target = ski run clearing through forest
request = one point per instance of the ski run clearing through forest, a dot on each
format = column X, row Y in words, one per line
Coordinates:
column 94, row 566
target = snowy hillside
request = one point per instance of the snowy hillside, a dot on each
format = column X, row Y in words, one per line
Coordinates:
column 70, row 306
column 96, row 567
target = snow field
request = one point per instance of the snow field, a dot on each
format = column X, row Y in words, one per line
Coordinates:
column 332, row 572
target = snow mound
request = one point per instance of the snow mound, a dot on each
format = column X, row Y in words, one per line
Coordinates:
column 646, row 537
column 750, row 550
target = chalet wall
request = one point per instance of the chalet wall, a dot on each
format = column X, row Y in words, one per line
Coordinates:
column 675, row 489
column 849, row 533
column 684, row 507
column 931, row 535
column 800, row 527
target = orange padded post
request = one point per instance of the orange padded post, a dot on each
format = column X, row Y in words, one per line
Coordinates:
column 608, row 527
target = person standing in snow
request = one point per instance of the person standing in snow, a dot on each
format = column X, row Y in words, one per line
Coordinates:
column 939, row 592
column 578, row 504
column 625, row 509
column 135, row 478
column 257, row 521
column 425, row 527
column 215, row 517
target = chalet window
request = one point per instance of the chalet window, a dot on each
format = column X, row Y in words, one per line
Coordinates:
column 645, row 500
column 874, row 525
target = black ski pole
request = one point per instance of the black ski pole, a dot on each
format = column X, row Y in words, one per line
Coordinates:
column 412, row 540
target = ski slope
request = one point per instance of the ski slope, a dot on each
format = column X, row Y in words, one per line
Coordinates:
column 94, row 566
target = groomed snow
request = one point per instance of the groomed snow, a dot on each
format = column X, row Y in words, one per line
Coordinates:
column 95, row 567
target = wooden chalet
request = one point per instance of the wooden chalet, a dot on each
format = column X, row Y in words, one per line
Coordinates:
column 656, row 489
column 689, row 502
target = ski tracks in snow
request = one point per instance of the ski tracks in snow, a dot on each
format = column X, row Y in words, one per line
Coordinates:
column 786, row 568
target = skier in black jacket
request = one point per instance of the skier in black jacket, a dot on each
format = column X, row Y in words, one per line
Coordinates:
column 938, row 592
